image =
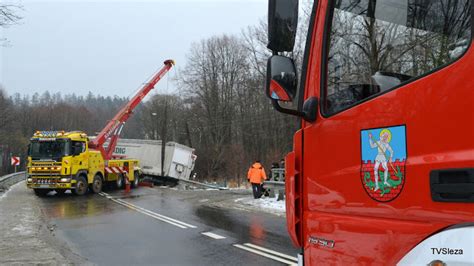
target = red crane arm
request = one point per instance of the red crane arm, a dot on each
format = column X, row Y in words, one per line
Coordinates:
column 114, row 127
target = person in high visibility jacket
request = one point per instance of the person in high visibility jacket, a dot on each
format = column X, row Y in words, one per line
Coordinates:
column 256, row 175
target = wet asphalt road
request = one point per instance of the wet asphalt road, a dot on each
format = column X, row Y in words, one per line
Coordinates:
column 119, row 229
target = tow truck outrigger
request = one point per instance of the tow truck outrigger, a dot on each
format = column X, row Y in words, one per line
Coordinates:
column 59, row 160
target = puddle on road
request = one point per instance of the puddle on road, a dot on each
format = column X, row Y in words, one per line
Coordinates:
column 71, row 206
column 256, row 229
column 127, row 197
column 225, row 220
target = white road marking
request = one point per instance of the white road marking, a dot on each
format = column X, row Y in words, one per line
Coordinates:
column 159, row 215
column 265, row 254
column 148, row 214
column 272, row 252
column 212, row 235
column 155, row 215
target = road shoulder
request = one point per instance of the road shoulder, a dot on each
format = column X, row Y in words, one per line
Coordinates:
column 25, row 237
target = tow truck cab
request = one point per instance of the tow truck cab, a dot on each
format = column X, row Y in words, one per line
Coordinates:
column 382, row 169
column 59, row 161
column 56, row 159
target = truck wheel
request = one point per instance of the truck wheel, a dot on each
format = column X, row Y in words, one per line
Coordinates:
column 119, row 182
column 41, row 192
column 136, row 179
column 97, row 184
column 81, row 186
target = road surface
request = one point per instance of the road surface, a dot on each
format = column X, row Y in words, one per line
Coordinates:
column 162, row 226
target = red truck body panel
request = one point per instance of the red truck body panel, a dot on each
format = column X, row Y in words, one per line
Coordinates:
column 338, row 221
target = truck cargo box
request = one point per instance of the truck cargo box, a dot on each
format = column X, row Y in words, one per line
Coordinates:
column 178, row 163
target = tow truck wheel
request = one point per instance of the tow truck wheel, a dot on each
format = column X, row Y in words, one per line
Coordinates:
column 41, row 192
column 97, row 184
column 119, row 182
column 136, row 177
column 81, row 186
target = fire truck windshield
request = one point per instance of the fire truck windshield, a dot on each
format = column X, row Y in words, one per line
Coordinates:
column 53, row 149
column 375, row 46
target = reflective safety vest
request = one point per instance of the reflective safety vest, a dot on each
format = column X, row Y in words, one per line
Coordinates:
column 256, row 174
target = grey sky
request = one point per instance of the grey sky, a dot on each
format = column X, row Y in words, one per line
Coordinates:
column 111, row 47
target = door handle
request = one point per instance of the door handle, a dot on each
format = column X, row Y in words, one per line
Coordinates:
column 452, row 185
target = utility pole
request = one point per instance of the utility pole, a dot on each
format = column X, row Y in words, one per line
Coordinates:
column 155, row 130
column 163, row 137
column 188, row 134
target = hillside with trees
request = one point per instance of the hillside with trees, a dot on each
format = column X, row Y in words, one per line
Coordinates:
column 219, row 109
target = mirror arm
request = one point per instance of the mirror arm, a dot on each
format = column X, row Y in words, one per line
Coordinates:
column 286, row 111
column 310, row 108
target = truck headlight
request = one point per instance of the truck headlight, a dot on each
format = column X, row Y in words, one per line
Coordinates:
column 29, row 180
column 65, row 180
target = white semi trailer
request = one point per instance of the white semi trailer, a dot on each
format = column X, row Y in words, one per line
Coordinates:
column 178, row 163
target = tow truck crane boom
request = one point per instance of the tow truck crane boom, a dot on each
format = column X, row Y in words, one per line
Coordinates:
column 114, row 127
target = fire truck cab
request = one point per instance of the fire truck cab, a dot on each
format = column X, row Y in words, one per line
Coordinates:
column 382, row 169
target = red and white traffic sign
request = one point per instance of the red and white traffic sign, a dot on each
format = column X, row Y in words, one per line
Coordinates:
column 15, row 160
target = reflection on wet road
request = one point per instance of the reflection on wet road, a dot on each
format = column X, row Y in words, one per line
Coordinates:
column 69, row 206
column 162, row 227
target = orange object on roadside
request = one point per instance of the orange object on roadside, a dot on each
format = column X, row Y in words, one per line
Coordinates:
column 127, row 184
column 256, row 173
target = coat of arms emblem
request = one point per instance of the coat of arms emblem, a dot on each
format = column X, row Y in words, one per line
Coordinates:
column 384, row 158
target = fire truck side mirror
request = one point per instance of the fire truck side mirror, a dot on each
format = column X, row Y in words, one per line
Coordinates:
column 281, row 79
column 282, row 86
column 282, row 24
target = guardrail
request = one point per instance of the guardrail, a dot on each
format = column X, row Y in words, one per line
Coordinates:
column 11, row 179
column 276, row 186
column 177, row 181
column 202, row 184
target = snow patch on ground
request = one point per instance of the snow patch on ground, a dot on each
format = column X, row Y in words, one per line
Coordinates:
column 10, row 188
column 267, row 204
column 22, row 230
column 238, row 188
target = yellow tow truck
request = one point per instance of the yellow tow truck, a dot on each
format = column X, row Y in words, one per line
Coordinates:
column 60, row 161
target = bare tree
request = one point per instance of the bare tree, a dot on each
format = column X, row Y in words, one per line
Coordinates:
column 216, row 71
column 6, row 110
column 8, row 16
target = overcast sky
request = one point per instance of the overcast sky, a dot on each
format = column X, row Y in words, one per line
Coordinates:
column 111, row 47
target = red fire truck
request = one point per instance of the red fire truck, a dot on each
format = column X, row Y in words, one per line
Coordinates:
column 382, row 169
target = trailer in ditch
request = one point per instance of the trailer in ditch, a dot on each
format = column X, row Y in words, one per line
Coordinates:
column 178, row 162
